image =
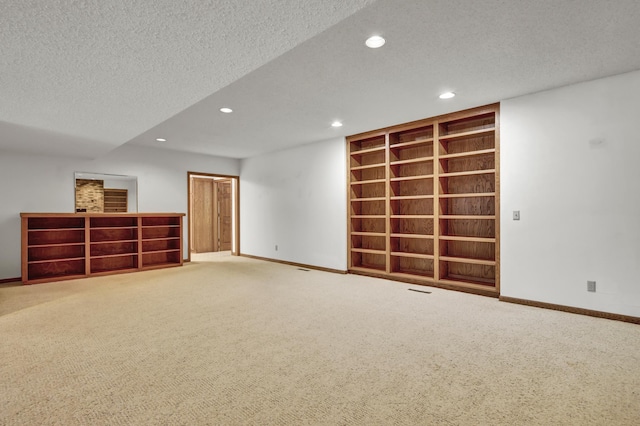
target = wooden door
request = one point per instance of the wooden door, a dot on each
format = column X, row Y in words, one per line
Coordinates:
column 203, row 212
column 224, row 214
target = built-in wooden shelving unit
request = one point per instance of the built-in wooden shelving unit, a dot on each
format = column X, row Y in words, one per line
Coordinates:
column 424, row 201
column 57, row 246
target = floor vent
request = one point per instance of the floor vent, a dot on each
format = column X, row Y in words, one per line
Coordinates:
column 419, row 291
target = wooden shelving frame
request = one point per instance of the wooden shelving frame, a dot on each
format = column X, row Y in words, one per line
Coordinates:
column 424, row 201
column 59, row 246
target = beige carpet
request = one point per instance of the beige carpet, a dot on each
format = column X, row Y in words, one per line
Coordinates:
column 236, row 341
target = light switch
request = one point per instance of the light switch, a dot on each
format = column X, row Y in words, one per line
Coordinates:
column 516, row 215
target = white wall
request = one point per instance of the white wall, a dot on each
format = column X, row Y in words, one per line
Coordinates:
column 31, row 183
column 296, row 199
column 570, row 164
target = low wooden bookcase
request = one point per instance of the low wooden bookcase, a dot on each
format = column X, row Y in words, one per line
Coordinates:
column 424, row 201
column 59, row 246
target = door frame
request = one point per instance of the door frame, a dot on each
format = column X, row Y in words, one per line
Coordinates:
column 235, row 194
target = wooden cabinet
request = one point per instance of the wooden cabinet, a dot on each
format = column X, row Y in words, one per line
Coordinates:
column 59, row 246
column 423, row 201
column 161, row 240
column 53, row 247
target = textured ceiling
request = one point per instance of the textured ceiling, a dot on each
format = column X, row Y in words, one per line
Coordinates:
column 95, row 75
column 99, row 73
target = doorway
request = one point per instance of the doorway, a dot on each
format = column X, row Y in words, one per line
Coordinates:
column 213, row 213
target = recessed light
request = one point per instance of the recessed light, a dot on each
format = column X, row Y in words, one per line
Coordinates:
column 226, row 110
column 161, row 140
column 336, row 124
column 447, row 95
column 375, row 41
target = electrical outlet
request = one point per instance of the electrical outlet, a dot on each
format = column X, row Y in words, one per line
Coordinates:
column 516, row 215
column 591, row 286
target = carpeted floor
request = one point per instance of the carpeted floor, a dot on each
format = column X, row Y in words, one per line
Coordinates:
column 237, row 341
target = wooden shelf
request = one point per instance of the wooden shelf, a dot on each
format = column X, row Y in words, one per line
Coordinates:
column 368, row 151
column 53, row 253
column 469, row 173
column 104, row 256
column 31, row 262
column 468, row 239
column 471, row 133
column 405, row 178
column 410, row 197
column 56, row 238
column 411, row 161
column 467, row 195
column 162, row 257
column 158, row 265
column 161, row 220
column 416, row 236
column 112, row 271
column 160, row 244
column 368, row 199
column 412, row 274
column 54, row 230
column 158, row 251
column 479, row 217
column 113, row 241
column 412, row 216
column 49, row 278
column 427, row 224
column 468, row 154
column 368, row 166
column 371, row 143
column 370, row 251
column 486, row 287
column 367, row 270
column 160, row 232
column 365, row 182
column 56, row 247
column 411, row 143
column 416, row 255
column 110, row 228
column 468, row 260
